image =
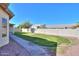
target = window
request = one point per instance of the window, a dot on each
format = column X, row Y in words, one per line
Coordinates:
column 4, row 27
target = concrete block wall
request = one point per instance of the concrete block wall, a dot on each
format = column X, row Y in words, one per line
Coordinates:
column 60, row 32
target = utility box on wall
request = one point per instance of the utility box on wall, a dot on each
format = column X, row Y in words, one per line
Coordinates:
column 5, row 16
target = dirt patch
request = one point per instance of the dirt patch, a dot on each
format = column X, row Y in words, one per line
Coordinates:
column 63, row 49
column 73, row 40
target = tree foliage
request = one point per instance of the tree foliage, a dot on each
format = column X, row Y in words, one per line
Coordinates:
column 25, row 24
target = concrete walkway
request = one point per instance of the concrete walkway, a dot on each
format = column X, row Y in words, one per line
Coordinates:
column 33, row 49
column 13, row 49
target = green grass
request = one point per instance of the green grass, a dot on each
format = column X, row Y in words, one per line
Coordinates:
column 43, row 40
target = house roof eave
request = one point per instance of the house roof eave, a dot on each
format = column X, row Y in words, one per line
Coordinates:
column 4, row 6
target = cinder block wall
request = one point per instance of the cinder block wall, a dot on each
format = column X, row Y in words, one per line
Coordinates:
column 60, row 32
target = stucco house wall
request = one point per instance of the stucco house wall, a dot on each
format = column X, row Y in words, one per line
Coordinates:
column 5, row 40
column 5, row 16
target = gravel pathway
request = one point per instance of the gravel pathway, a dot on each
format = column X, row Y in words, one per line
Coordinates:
column 13, row 49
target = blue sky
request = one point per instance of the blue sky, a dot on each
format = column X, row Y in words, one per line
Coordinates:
column 54, row 13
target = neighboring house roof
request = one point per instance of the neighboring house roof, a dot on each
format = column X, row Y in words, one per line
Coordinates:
column 4, row 6
column 60, row 25
column 35, row 25
column 55, row 25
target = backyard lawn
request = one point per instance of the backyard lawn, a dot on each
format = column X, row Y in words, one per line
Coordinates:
column 43, row 40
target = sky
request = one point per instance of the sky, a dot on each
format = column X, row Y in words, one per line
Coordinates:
column 45, row 13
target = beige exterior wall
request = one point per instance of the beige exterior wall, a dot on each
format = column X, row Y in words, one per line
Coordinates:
column 26, row 30
column 5, row 40
column 17, row 30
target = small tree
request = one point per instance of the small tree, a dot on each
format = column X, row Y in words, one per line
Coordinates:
column 25, row 24
column 38, row 27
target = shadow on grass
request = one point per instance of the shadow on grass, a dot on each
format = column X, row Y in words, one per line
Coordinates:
column 39, row 41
